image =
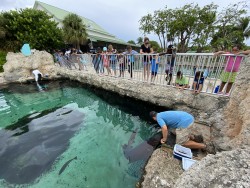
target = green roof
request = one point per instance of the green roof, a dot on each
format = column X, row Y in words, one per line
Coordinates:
column 60, row 14
column 114, row 40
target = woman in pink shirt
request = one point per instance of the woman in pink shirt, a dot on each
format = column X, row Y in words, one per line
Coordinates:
column 231, row 68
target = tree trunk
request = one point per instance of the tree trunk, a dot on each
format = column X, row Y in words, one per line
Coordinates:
column 160, row 40
column 164, row 41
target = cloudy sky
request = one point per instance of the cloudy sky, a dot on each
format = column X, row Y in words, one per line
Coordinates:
column 118, row 17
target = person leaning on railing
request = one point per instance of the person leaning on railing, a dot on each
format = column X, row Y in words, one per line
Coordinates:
column 230, row 71
column 171, row 53
column 154, row 67
column 130, row 59
column 105, row 60
column 247, row 52
column 112, row 58
column 146, row 49
column 121, row 61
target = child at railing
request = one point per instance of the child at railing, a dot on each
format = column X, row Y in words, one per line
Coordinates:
column 171, row 54
column 130, row 59
column 198, row 82
column 112, row 58
column 181, row 82
column 121, row 61
column 230, row 71
column 154, row 67
column 105, row 60
column 97, row 61
column 83, row 60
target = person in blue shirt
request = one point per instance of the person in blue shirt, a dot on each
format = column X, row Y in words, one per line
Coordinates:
column 130, row 59
column 154, row 67
column 181, row 122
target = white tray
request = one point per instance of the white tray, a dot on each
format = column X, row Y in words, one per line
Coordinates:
column 187, row 163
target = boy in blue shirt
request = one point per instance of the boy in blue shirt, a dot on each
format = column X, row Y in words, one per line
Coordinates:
column 130, row 59
column 182, row 123
column 154, row 67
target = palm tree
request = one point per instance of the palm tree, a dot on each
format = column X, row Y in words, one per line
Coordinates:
column 140, row 40
column 74, row 30
column 2, row 27
column 244, row 26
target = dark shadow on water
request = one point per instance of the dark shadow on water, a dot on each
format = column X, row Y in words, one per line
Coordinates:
column 22, row 126
column 30, row 147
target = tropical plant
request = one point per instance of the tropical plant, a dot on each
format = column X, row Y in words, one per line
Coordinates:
column 2, row 59
column 2, row 27
column 140, row 40
column 74, row 30
column 155, row 23
column 232, row 27
column 29, row 26
column 154, row 44
column 131, row 42
column 188, row 24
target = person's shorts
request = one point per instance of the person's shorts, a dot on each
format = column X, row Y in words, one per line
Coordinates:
column 113, row 64
column 153, row 73
column 199, row 81
column 228, row 76
column 145, row 63
column 122, row 67
column 183, row 134
column 169, row 69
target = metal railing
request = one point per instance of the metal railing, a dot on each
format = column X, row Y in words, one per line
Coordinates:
column 198, row 72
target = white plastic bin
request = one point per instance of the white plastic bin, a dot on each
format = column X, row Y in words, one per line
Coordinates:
column 180, row 152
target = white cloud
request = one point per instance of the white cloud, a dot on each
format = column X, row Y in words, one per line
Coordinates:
column 15, row 4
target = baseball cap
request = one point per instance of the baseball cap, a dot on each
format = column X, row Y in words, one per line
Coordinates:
column 104, row 49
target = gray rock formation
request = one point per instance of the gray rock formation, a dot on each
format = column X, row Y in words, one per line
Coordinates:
column 18, row 66
column 2, row 80
column 165, row 174
column 234, row 130
column 225, row 169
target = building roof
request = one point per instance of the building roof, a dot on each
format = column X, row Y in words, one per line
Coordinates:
column 91, row 26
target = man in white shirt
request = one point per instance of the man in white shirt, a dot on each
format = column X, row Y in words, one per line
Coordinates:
column 38, row 75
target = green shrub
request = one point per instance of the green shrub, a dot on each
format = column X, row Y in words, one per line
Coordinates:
column 2, row 60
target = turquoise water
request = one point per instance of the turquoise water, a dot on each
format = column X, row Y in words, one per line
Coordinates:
column 41, row 131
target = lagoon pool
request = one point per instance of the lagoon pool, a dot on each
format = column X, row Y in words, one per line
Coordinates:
column 70, row 135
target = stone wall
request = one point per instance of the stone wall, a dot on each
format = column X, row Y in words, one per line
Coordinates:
column 225, row 169
column 18, row 67
column 231, row 125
